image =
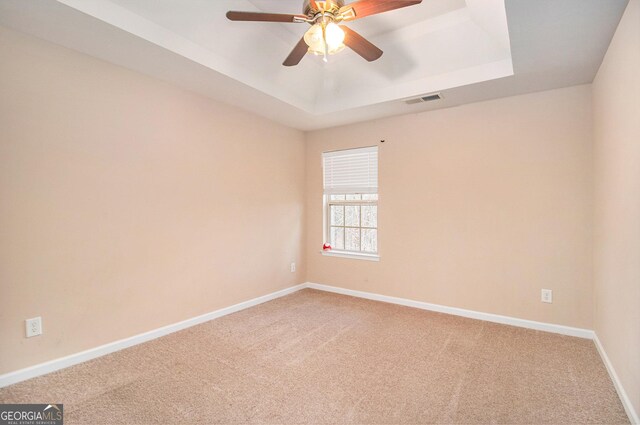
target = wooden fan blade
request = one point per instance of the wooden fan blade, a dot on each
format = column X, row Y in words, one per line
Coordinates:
column 363, row 8
column 262, row 17
column 360, row 45
column 296, row 54
column 313, row 5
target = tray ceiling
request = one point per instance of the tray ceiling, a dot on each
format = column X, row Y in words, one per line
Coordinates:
column 467, row 49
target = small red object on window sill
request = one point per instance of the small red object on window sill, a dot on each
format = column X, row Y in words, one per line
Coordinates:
column 326, row 247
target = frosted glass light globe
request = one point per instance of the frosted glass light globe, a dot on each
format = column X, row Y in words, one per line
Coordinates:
column 334, row 36
column 334, row 39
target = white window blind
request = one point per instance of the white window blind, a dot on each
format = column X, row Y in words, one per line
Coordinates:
column 351, row 171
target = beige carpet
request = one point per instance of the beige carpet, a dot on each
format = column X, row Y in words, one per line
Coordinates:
column 315, row 357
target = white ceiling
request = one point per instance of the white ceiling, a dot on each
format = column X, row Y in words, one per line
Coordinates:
column 469, row 50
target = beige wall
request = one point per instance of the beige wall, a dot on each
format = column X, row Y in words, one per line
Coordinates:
column 617, row 202
column 127, row 204
column 480, row 207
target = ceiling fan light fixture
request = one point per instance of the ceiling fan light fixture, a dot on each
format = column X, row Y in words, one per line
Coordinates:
column 333, row 37
column 325, row 37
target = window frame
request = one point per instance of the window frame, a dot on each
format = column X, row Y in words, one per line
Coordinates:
column 327, row 203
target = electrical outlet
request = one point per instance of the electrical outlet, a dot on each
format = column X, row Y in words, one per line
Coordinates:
column 293, row 267
column 34, row 326
column 547, row 296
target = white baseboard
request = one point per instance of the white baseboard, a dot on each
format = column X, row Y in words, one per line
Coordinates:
column 624, row 398
column 73, row 359
column 523, row 323
column 506, row 320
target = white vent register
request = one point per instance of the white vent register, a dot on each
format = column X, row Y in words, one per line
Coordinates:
column 426, row 98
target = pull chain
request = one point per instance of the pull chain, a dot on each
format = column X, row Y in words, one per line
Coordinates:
column 324, row 39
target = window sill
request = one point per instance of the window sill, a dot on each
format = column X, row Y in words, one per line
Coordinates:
column 352, row 255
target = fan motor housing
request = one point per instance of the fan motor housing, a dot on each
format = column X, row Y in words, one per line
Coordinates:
column 331, row 6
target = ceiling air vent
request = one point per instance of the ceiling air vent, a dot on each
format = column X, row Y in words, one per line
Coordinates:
column 426, row 98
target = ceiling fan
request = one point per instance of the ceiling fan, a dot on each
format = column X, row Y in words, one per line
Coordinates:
column 326, row 37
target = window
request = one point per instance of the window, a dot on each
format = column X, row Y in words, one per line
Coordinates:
column 351, row 201
column 353, row 222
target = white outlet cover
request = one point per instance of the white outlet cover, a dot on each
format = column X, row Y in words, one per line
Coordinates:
column 34, row 326
column 293, row 267
column 547, row 296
